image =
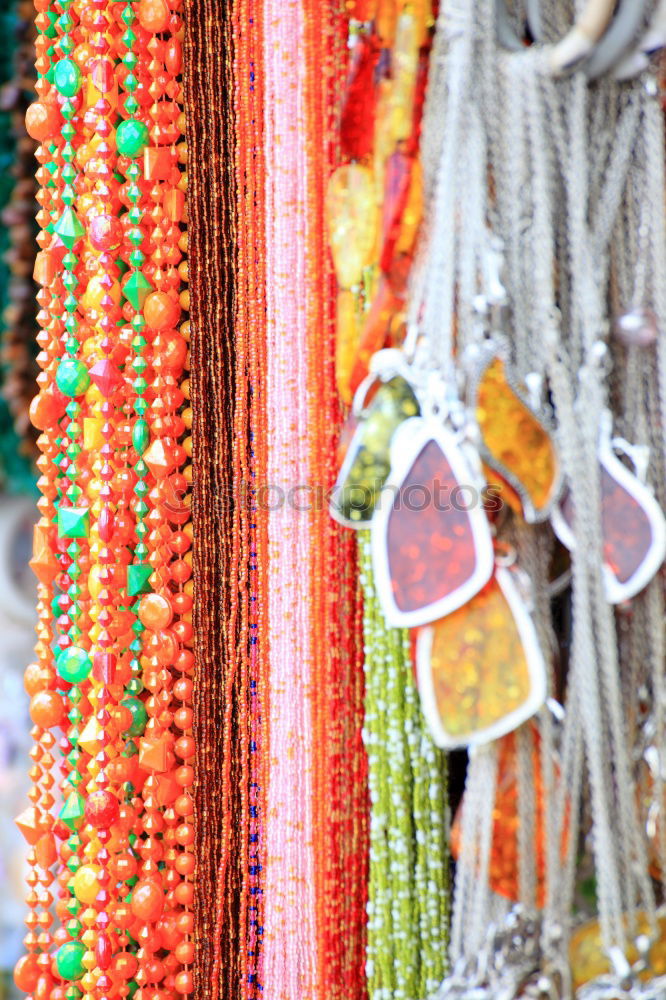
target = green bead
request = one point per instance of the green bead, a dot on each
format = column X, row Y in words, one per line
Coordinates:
column 69, row 960
column 137, row 579
column 73, row 522
column 139, row 715
column 136, row 289
column 72, row 812
column 131, row 137
column 72, row 377
column 68, row 227
column 74, row 664
column 140, row 436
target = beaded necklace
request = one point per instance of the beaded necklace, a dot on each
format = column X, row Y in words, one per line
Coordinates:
column 111, row 545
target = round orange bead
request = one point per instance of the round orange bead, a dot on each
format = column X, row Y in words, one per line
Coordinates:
column 161, row 311
column 147, row 900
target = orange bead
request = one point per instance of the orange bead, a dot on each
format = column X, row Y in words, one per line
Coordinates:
column 155, row 611
column 147, row 900
column 184, row 893
column 39, row 678
column 42, row 121
column 161, row 311
column 184, row 983
column 153, row 15
column 26, row 973
column 185, row 952
column 47, row 709
column 124, row 966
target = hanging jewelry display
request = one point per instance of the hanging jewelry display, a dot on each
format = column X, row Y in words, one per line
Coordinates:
column 579, row 224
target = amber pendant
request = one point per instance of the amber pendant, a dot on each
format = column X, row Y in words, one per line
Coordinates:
column 515, row 441
column 366, row 464
column 481, row 672
column 431, row 544
column 632, row 524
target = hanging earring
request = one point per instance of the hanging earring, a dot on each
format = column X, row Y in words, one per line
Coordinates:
column 633, row 525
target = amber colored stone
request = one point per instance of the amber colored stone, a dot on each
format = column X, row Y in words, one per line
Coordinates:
column 376, row 329
column 397, row 183
column 431, row 549
column 515, row 441
column 26, row 973
column 161, row 311
column 357, row 117
column 478, row 665
column 588, row 960
column 385, row 21
column 626, row 528
column 159, row 459
column 352, row 216
column 412, row 215
column 348, row 330
column 361, row 10
column 404, row 65
column 503, row 868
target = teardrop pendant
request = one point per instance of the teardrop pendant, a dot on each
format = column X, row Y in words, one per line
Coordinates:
column 431, row 544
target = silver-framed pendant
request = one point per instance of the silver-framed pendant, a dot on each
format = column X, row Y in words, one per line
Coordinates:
column 632, row 522
column 431, row 543
column 475, row 688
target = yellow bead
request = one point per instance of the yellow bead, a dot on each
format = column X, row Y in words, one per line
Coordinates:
column 92, row 433
column 86, row 885
column 95, row 292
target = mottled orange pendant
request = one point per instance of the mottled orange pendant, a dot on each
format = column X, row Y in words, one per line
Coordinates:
column 431, row 544
column 632, row 525
column 481, row 672
column 503, row 868
column 515, row 442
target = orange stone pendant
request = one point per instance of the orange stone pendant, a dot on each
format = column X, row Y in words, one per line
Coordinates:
column 481, row 672
column 514, row 440
column 632, row 524
column 431, row 544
